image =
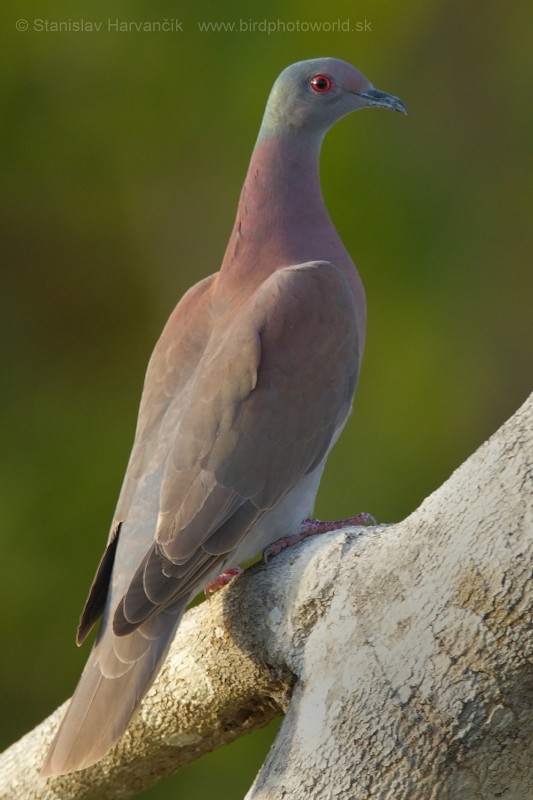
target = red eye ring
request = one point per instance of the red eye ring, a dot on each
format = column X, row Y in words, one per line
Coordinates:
column 321, row 83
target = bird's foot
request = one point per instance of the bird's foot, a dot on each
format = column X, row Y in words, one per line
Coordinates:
column 223, row 579
column 312, row 527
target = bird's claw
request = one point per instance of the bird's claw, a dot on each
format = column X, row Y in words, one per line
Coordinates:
column 223, row 579
column 312, row 527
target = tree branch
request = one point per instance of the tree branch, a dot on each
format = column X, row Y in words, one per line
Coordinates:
column 411, row 646
column 415, row 675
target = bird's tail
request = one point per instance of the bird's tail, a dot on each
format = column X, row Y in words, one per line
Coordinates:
column 115, row 679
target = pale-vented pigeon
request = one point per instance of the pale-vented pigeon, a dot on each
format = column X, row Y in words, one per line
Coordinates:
column 246, row 392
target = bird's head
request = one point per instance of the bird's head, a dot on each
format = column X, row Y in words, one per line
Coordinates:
column 310, row 96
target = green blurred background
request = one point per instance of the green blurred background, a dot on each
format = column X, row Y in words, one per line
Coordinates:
column 123, row 156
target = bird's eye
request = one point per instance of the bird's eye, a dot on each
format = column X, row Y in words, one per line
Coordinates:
column 321, row 83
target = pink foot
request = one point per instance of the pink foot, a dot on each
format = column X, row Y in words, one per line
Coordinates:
column 226, row 577
column 311, row 527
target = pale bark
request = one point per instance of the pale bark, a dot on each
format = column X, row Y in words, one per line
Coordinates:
column 410, row 647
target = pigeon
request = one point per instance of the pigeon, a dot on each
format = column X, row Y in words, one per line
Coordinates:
column 246, row 392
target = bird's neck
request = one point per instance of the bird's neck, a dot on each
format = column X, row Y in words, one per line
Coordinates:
column 281, row 218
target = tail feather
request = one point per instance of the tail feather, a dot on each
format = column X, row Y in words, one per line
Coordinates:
column 116, row 677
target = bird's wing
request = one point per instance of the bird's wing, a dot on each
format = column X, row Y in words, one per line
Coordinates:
column 273, row 385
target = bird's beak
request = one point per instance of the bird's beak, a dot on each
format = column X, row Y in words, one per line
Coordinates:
column 374, row 97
